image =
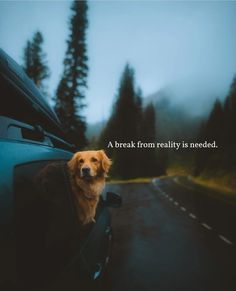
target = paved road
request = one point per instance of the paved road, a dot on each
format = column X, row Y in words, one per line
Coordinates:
column 171, row 237
column 216, row 213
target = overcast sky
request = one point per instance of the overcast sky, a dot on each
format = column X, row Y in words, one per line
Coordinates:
column 189, row 47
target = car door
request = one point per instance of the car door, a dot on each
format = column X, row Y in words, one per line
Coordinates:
column 46, row 226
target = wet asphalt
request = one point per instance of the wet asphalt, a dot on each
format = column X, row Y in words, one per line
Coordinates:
column 171, row 236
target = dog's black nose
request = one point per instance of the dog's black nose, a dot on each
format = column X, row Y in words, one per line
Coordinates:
column 86, row 171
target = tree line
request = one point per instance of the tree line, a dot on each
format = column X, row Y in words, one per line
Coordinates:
column 219, row 127
column 128, row 122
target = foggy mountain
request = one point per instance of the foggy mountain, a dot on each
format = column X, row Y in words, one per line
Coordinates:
column 176, row 119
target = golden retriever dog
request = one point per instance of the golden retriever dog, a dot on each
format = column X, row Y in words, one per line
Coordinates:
column 88, row 170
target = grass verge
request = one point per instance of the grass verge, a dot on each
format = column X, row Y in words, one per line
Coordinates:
column 225, row 183
column 136, row 180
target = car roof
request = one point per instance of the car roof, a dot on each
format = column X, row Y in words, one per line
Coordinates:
column 15, row 75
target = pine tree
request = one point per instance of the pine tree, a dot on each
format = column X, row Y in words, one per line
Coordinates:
column 124, row 126
column 229, row 128
column 148, row 124
column 212, row 130
column 149, row 165
column 214, row 126
column 28, row 59
column 230, row 116
column 35, row 64
column 219, row 127
column 70, row 93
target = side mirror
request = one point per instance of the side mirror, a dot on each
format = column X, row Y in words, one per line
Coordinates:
column 112, row 200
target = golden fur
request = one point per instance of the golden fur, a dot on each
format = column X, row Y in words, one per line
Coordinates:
column 88, row 170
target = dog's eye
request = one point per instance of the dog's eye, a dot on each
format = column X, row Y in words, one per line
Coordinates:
column 94, row 160
column 81, row 161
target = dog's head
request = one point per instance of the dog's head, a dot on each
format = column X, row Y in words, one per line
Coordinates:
column 89, row 164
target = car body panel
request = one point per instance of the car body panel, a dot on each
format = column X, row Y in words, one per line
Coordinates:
column 13, row 153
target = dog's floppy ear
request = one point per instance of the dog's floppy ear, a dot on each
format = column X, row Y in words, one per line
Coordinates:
column 106, row 162
column 73, row 163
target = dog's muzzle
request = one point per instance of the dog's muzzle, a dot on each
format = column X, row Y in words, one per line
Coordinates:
column 86, row 172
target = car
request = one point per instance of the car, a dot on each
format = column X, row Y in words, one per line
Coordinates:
column 42, row 244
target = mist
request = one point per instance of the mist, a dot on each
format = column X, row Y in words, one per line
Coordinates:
column 187, row 48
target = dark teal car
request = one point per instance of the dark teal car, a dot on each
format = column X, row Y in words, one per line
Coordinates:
column 42, row 244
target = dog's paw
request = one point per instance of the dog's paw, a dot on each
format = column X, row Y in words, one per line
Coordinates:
column 88, row 221
column 93, row 220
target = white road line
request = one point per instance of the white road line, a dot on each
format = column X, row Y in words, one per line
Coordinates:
column 192, row 215
column 206, row 226
column 225, row 239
